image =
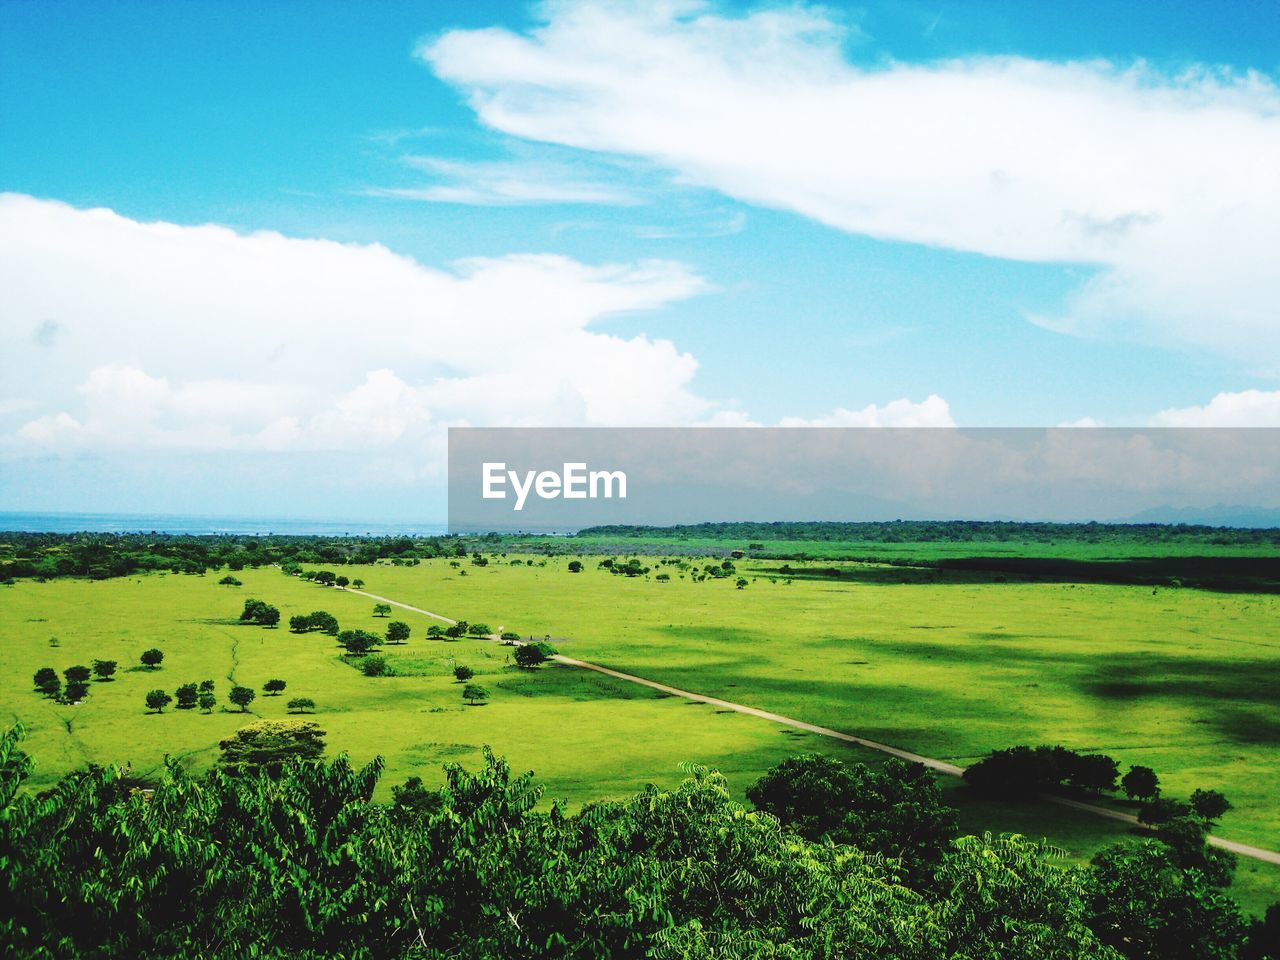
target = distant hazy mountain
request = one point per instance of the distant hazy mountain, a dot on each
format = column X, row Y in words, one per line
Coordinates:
column 1218, row 515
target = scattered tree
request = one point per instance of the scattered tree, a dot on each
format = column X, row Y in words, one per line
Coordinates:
column 382, row 609
column 43, row 677
column 575, row 566
column 435, row 632
column 478, row 630
column 301, row 705
column 357, row 583
column 259, row 612
column 532, row 655
column 75, row 691
column 341, row 582
column 242, row 697
column 187, row 695
column 230, row 581
column 273, row 688
column 397, row 631
column 157, row 700
column 104, row 669
column 1210, row 804
column 207, row 701
column 463, row 674
column 151, row 659
column 358, row 642
column 1140, row 783
column 473, row 693
column 77, row 674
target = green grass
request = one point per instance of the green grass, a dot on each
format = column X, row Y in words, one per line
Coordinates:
column 1176, row 679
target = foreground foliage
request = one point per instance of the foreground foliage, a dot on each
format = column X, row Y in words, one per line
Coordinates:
column 301, row 862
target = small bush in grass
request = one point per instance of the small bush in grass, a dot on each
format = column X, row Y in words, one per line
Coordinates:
column 375, row 666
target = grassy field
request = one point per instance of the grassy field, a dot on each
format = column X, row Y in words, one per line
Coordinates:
column 1177, row 679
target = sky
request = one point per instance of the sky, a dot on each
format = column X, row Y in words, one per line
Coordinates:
column 255, row 258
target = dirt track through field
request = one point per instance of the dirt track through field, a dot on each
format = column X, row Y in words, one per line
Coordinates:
column 941, row 766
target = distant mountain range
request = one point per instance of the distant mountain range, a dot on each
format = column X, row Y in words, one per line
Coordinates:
column 1218, row 515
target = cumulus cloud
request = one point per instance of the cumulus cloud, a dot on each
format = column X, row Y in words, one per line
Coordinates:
column 204, row 338
column 1247, row 408
column 1164, row 183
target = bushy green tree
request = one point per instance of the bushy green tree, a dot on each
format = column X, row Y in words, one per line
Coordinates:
column 1140, row 783
column 473, row 693
column 397, row 631
column 359, row 642
column 151, row 659
column 268, row 744
column 104, row 670
column 242, row 697
column 77, row 674
column 463, row 673
column 157, row 700
column 187, row 695
column 274, row 687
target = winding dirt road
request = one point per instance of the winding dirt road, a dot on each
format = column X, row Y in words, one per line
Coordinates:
column 941, row 766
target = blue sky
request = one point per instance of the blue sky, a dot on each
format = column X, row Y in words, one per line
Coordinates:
column 421, row 128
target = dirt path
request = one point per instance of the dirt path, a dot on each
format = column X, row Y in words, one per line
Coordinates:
column 941, row 766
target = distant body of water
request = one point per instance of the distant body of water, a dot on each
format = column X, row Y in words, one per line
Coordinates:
column 196, row 524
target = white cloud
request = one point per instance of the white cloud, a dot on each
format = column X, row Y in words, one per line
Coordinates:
column 188, row 339
column 203, row 338
column 1167, row 184
column 1248, row 408
column 503, row 183
column 933, row 411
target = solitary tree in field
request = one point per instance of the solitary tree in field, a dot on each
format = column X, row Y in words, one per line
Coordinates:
column 104, row 669
column 1140, row 783
column 463, row 674
column 473, row 693
column 229, row 581
column 157, row 700
column 358, row 583
column 273, row 688
column 207, row 701
column 301, row 705
column 382, row 609
column 76, row 674
column 151, row 659
column 575, row 566
column 397, row 631
column 241, row 697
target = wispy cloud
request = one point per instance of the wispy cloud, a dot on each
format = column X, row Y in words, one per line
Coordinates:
column 1165, row 184
column 505, row 183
